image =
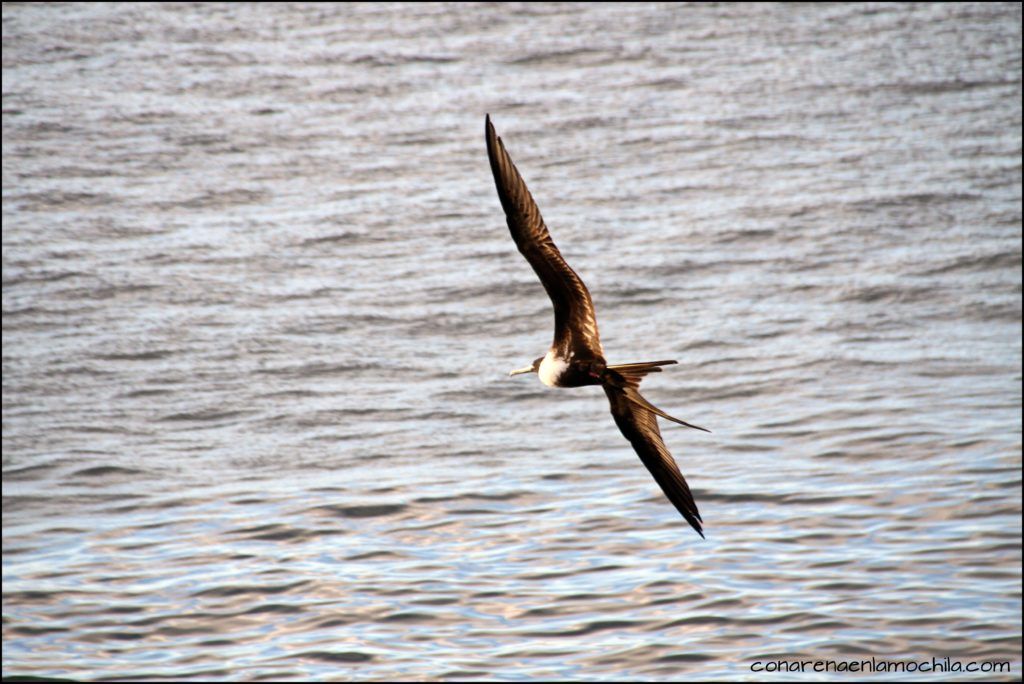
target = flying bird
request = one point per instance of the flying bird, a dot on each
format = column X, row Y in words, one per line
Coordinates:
column 576, row 357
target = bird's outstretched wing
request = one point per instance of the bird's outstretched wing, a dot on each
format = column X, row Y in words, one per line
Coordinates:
column 575, row 321
column 640, row 427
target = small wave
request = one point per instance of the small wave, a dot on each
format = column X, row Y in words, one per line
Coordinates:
column 254, row 589
column 913, row 199
column 685, row 658
column 1010, row 261
column 345, row 238
column 375, row 555
column 317, row 369
column 553, row 57
column 278, row 608
column 888, row 293
column 746, row 237
column 104, row 471
column 205, row 415
column 280, row 533
column 507, row 496
column 590, row 628
column 368, row 511
column 60, row 200
column 41, row 276
column 947, row 86
column 391, row 60
column 27, row 472
column 409, row 617
column 137, row 356
column 144, row 393
column 336, row 656
column 218, row 200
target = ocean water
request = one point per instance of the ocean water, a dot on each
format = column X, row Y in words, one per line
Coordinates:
column 259, row 305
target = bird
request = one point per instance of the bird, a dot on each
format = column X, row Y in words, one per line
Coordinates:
column 576, row 357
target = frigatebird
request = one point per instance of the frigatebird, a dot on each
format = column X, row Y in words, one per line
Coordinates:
column 576, row 358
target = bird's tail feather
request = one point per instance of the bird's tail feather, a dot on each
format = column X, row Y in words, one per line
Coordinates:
column 633, row 394
column 636, row 371
column 632, row 374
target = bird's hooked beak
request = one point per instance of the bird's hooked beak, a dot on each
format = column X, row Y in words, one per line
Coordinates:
column 520, row 371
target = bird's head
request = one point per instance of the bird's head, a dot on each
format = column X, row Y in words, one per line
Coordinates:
column 528, row 369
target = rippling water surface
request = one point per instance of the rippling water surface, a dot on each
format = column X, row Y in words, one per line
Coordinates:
column 259, row 301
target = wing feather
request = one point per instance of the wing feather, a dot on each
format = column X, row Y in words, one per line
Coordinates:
column 640, row 426
column 575, row 320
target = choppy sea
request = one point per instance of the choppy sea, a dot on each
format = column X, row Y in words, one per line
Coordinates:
column 259, row 305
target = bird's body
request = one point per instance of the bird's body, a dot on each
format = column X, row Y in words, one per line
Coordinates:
column 576, row 358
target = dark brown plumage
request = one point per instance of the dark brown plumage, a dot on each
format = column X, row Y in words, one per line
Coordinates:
column 576, row 357
column 575, row 322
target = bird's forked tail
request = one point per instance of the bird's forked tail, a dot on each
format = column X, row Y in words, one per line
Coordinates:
column 628, row 376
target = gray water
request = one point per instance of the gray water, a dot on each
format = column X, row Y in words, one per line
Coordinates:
column 259, row 303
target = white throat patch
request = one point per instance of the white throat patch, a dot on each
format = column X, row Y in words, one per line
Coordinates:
column 551, row 368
